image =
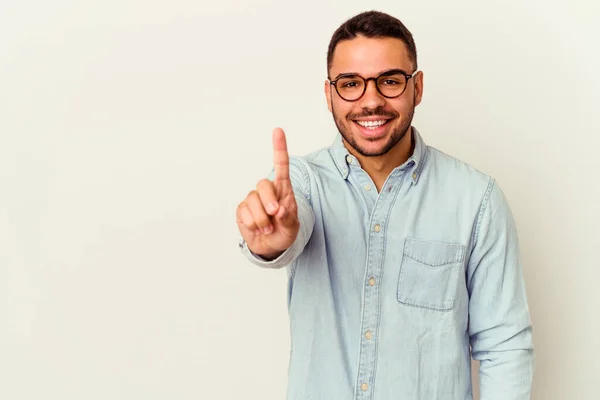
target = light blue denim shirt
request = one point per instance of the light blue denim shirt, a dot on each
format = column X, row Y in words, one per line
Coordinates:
column 391, row 293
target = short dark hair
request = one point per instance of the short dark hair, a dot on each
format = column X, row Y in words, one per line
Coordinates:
column 372, row 24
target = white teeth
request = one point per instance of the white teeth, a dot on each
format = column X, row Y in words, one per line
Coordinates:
column 371, row 124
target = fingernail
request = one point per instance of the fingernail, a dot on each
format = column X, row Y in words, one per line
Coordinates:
column 268, row 229
column 257, row 232
column 272, row 206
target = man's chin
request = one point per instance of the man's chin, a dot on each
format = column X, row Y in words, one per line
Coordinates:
column 371, row 147
column 374, row 146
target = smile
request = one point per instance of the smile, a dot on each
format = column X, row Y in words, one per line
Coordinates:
column 372, row 129
column 372, row 124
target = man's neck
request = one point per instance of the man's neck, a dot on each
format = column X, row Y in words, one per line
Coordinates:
column 380, row 167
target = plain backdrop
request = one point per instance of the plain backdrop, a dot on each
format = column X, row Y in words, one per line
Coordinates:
column 130, row 130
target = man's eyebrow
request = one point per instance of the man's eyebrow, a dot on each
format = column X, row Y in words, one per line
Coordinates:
column 393, row 72
column 346, row 75
column 384, row 73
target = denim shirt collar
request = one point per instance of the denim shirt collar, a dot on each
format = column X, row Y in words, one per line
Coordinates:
column 416, row 162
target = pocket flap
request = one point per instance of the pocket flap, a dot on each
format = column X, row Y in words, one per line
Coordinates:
column 433, row 254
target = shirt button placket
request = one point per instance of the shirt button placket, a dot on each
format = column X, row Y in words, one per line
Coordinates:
column 368, row 357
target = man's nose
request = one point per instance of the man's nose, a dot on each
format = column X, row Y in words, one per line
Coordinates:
column 372, row 98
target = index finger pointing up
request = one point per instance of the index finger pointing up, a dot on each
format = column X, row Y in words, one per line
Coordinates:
column 280, row 156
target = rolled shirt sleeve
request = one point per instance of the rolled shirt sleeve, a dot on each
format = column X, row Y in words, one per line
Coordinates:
column 500, row 328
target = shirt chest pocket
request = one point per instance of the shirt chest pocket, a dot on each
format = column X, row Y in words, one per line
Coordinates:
column 430, row 273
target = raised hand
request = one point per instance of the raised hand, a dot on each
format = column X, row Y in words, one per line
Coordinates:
column 268, row 217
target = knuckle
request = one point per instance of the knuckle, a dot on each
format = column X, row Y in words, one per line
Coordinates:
column 253, row 199
column 244, row 214
column 243, row 210
column 264, row 185
column 262, row 182
column 239, row 213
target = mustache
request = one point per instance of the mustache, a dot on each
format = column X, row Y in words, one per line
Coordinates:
column 379, row 112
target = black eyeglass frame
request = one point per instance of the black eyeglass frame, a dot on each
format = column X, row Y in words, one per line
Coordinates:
column 375, row 80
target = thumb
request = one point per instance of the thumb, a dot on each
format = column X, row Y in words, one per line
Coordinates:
column 284, row 217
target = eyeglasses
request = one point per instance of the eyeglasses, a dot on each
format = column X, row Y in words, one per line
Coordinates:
column 391, row 84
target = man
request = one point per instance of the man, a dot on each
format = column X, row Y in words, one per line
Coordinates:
column 402, row 261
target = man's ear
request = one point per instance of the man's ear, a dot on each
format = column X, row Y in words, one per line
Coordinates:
column 327, row 88
column 418, row 87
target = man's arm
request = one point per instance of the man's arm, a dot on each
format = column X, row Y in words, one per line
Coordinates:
column 499, row 322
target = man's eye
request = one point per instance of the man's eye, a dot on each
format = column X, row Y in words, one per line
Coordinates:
column 350, row 85
column 390, row 82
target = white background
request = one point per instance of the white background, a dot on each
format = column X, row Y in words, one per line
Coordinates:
column 130, row 130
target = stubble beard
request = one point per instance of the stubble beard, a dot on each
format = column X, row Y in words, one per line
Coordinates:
column 397, row 134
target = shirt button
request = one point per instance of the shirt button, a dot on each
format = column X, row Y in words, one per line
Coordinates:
column 364, row 387
column 414, row 175
column 372, row 281
column 349, row 159
column 368, row 335
column 377, row 227
column 367, row 187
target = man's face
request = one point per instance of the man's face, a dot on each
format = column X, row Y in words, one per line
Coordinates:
column 369, row 57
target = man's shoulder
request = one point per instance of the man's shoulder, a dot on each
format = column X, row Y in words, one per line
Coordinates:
column 307, row 168
column 453, row 168
column 318, row 158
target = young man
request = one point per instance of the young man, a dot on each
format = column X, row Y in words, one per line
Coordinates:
column 403, row 262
